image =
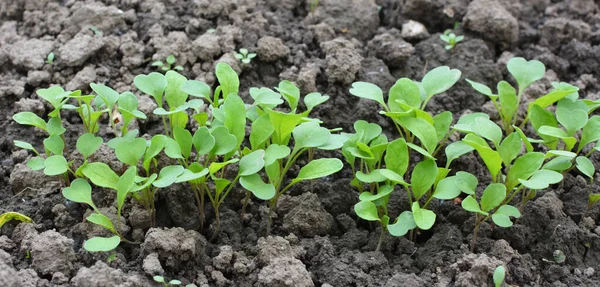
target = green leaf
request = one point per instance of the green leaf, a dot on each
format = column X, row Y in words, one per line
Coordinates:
column 470, row 204
column 508, row 101
column 101, row 244
column 525, row 72
column 456, row 150
column 422, row 177
column 228, row 79
column 335, row 142
column 592, row 199
column 319, row 168
column 310, row 134
column 54, row 144
column 216, row 166
column 491, row 158
column 396, row 156
column 153, row 84
column 262, row 129
column 55, row 165
column 196, row 89
column 367, row 91
column 53, row 95
column 572, row 115
column 290, row 93
column 524, row 138
column 168, row 175
column 424, row 218
column 541, row 179
column 31, row 119
column 54, row 126
column 404, row 223
column 366, row 210
column 266, row 97
column 156, row 145
column 172, row 149
column 106, row 94
column 102, row 220
column 314, row 99
column 174, row 96
column 80, row 191
column 383, row 191
column 283, row 124
column 482, row 89
column 235, row 117
column 24, row 145
column 255, row 184
column 184, row 138
column 404, row 90
column 101, row 175
column 203, row 141
column 439, row 80
column 393, row 177
column 590, row 132
column 586, row 166
column 368, row 130
column 374, row 176
column 492, row 196
column 224, row 141
column 441, row 123
column 8, row 216
column 126, row 182
column 466, row 182
column 499, row 274
column 451, row 187
column 481, row 125
column 128, row 101
column 559, row 164
column 130, row 152
column 523, row 168
column 191, row 175
column 561, row 91
column 422, row 130
column 275, row 152
column 510, row 148
column 252, row 163
column 36, row 163
column 88, row 144
column 502, row 216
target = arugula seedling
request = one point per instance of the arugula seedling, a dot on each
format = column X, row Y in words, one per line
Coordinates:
column 168, row 64
column 160, row 279
column 50, row 59
column 451, row 39
column 244, row 56
column 499, row 275
column 508, row 100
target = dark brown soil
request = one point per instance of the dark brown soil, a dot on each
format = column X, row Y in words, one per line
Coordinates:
column 341, row 42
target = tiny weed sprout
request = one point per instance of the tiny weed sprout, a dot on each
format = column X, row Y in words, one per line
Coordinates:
column 8, row 216
column 167, row 65
column 160, row 279
column 245, row 56
column 50, row 58
column 96, row 31
column 451, row 39
column 499, row 275
column 313, row 4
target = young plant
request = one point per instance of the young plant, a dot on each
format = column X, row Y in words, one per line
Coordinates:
column 273, row 131
column 245, row 56
column 168, row 64
column 451, row 39
column 50, row 59
column 313, row 7
column 8, row 216
column 160, row 279
column 585, row 166
column 499, row 275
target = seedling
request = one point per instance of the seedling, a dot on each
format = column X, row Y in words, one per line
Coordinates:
column 499, row 275
column 160, row 279
column 558, row 257
column 451, row 39
column 96, row 31
column 585, row 166
column 8, row 216
column 313, row 7
column 168, row 64
column 245, row 56
column 50, row 58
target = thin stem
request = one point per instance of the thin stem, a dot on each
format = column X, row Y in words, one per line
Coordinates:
column 246, row 199
column 443, row 142
column 383, row 230
column 475, row 231
column 200, row 203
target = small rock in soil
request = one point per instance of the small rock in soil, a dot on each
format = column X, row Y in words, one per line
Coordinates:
column 307, row 78
column 271, row 248
column 30, row 105
column 29, row 54
column 105, row 18
column 36, row 78
column 343, row 61
column 6, row 244
column 284, row 272
column 558, row 32
column 219, row 278
column 79, row 49
column 175, row 246
column 413, row 30
column 322, row 32
column 492, row 21
column 271, row 49
column 82, row 79
column 474, row 269
column 23, row 177
column 152, row 265
column 360, row 21
column 307, row 217
column 391, row 48
column 9, row 276
column 207, row 46
column 50, row 252
column 101, row 275
column 375, row 71
column 223, row 260
column 406, row 280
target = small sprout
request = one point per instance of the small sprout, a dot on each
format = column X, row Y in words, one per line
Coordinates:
column 313, row 7
column 168, row 66
column 27, row 254
column 96, row 31
column 559, row 256
column 451, row 39
column 499, row 275
column 8, row 216
column 50, row 58
column 160, row 279
column 245, row 56
column 111, row 258
column 211, row 30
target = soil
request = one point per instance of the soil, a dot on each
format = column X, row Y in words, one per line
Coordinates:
column 316, row 240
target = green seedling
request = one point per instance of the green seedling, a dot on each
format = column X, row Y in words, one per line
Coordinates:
column 245, row 56
column 160, row 279
column 168, row 65
column 96, row 31
column 8, row 216
column 499, row 275
column 50, row 59
column 451, row 39
column 313, row 7
column 558, row 257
